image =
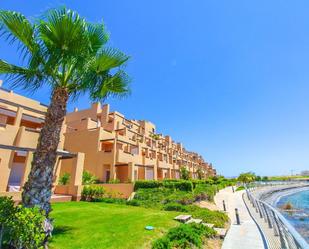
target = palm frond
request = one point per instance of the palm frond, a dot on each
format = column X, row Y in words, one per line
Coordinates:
column 108, row 59
column 63, row 33
column 29, row 79
column 111, row 86
column 98, row 36
column 15, row 27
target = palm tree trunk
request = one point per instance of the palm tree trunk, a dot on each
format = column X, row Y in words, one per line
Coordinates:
column 37, row 190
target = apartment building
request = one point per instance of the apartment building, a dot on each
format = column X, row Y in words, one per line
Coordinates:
column 21, row 120
column 127, row 150
column 102, row 142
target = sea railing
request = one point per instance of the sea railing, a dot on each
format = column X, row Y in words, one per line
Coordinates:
column 286, row 234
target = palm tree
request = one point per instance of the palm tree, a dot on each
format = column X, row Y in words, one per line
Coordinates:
column 69, row 55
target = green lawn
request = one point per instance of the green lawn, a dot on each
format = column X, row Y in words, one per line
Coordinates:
column 100, row 225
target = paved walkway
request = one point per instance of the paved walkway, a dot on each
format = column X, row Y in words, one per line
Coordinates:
column 243, row 236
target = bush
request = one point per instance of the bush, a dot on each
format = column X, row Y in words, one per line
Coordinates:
column 184, row 236
column 89, row 178
column 205, row 192
column 186, row 200
column 184, row 173
column 201, row 196
column 175, row 207
column 178, row 184
column 147, row 184
column 200, row 174
column 133, row 203
column 20, row 227
column 162, row 243
column 153, row 198
column 64, row 179
column 114, row 181
column 92, row 193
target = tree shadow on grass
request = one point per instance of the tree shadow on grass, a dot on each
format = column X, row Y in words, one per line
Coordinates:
column 60, row 230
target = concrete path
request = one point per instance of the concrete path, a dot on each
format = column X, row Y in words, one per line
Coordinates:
column 243, row 236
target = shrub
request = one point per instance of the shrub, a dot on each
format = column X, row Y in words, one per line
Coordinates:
column 205, row 191
column 175, row 207
column 178, row 184
column 133, row 203
column 20, row 227
column 114, row 181
column 162, row 243
column 92, row 193
column 186, row 200
column 184, row 173
column 246, row 177
column 184, row 236
column 200, row 174
column 64, row 179
column 147, row 184
column 184, row 185
column 153, row 198
column 201, row 196
column 89, row 178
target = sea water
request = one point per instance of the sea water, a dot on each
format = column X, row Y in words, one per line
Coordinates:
column 300, row 218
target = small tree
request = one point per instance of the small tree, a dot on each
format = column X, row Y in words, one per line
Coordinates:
column 246, row 177
column 184, row 173
column 200, row 174
column 258, row 178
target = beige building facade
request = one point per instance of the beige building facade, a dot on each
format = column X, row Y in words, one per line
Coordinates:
column 126, row 150
column 102, row 142
column 21, row 120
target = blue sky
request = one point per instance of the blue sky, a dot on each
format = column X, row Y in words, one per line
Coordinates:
column 227, row 78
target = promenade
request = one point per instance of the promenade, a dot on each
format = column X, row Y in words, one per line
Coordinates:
column 243, row 236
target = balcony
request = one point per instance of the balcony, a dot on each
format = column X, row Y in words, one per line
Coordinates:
column 164, row 164
column 176, row 167
column 27, row 137
column 104, row 135
column 148, row 161
column 124, row 157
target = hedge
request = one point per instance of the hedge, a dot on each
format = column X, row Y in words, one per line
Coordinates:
column 147, row 184
column 183, row 185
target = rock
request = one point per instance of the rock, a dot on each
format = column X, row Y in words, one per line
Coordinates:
column 221, row 232
column 197, row 221
column 183, row 218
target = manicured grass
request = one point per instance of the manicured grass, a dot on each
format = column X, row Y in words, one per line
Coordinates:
column 88, row 225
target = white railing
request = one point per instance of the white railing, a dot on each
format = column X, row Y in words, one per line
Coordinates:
column 289, row 238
